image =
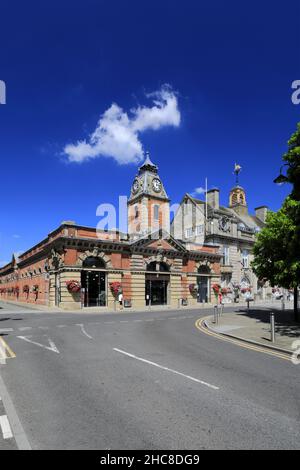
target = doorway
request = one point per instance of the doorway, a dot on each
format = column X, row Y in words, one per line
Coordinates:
column 93, row 284
column 157, row 290
column 203, row 291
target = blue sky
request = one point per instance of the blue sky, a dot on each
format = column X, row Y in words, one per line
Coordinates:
column 229, row 68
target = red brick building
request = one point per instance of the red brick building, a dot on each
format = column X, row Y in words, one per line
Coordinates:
column 77, row 266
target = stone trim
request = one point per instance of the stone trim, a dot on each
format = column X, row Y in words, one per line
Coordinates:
column 97, row 253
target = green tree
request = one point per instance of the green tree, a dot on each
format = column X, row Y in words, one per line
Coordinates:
column 277, row 247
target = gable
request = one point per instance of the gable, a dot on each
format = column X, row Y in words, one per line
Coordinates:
column 159, row 241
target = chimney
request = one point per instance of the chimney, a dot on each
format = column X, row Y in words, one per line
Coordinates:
column 261, row 213
column 213, row 198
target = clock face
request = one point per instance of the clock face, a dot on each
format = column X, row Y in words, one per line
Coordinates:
column 135, row 186
column 224, row 224
column 156, row 184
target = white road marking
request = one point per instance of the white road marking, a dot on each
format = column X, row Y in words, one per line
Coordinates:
column 16, row 426
column 3, row 355
column 123, row 321
column 61, row 326
column 83, row 330
column 5, row 427
column 51, row 348
column 4, row 330
column 166, row 368
column 24, row 328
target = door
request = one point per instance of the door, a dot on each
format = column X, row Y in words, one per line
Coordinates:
column 203, row 296
column 94, row 285
column 157, row 291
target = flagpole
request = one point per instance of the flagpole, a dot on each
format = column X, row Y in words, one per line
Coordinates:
column 205, row 200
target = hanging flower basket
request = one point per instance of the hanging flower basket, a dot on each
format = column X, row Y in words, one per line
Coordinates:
column 3, row 290
column 35, row 289
column 26, row 289
column 116, row 288
column 225, row 290
column 73, row 286
column 245, row 289
column 16, row 290
column 193, row 288
column 216, row 288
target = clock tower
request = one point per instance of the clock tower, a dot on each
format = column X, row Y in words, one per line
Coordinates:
column 148, row 204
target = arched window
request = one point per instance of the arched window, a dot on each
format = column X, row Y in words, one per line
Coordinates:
column 156, row 266
column 93, row 262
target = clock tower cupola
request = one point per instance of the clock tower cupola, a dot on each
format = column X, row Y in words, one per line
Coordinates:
column 148, row 204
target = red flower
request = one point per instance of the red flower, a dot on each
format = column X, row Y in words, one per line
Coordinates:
column 73, row 286
column 116, row 288
column 216, row 288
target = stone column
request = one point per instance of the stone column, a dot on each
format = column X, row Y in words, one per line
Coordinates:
column 69, row 301
column 138, row 282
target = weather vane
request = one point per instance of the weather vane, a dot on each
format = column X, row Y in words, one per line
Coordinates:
column 236, row 171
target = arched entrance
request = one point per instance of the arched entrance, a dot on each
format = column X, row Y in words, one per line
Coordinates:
column 157, row 283
column 203, row 284
column 93, row 282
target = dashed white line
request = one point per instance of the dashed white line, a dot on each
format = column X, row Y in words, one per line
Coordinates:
column 5, row 427
column 166, row 368
column 4, row 330
column 25, row 328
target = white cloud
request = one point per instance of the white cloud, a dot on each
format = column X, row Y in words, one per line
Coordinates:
column 117, row 134
column 15, row 235
column 199, row 190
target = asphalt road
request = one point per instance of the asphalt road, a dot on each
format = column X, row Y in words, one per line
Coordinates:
column 139, row 381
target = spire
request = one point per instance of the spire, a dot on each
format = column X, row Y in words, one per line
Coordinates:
column 148, row 165
column 237, row 195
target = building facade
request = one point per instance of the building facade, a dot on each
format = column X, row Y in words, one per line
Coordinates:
column 231, row 230
column 79, row 267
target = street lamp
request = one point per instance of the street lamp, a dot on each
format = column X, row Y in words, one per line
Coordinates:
column 281, row 178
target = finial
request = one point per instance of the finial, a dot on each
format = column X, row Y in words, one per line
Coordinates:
column 148, row 163
column 236, row 171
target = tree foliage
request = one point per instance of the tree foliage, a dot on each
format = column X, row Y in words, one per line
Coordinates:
column 275, row 252
column 277, row 246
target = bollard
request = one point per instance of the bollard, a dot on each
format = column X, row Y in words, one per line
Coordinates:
column 215, row 314
column 179, row 303
column 272, row 326
column 282, row 304
column 248, row 305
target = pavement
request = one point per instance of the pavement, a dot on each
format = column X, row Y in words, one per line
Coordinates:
column 139, row 380
column 253, row 325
